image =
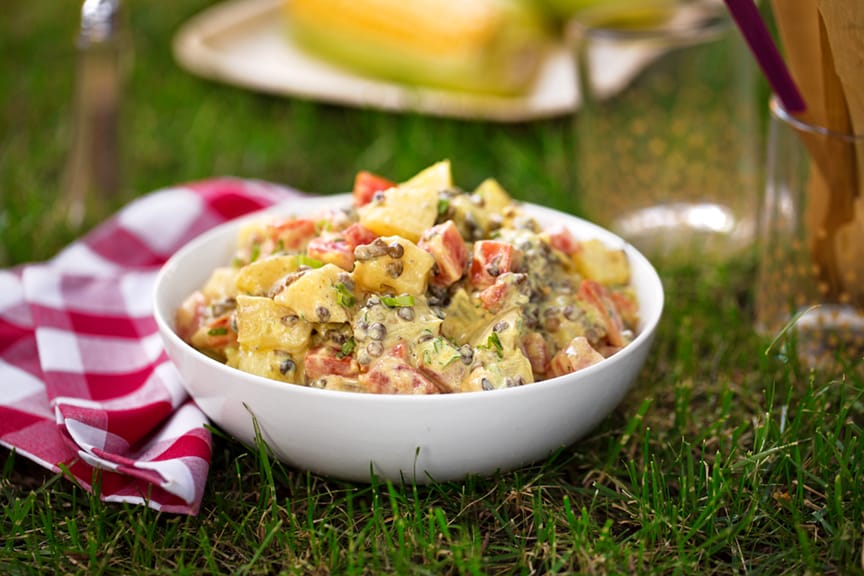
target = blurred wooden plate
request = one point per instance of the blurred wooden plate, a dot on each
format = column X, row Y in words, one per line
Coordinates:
column 245, row 43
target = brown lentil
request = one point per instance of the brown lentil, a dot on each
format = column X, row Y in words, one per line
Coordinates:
column 395, row 268
column 346, row 280
column 395, row 250
column 375, row 348
column 370, row 251
column 336, row 336
column 405, row 313
column 377, row 331
column 467, row 354
column 493, row 268
column 286, row 366
column 220, row 308
column 322, row 313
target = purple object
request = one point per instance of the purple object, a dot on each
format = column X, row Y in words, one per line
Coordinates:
column 749, row 21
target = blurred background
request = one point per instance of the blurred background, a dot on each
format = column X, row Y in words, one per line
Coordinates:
column 176, row 126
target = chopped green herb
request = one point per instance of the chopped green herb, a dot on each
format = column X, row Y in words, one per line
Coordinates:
column 238, row 262
column 280, row 245
column 493, row 342
column 452, row 360
column 443, row 206
column 304, row 260
column 254, row 252
column 344, row 296
column 347, row 347
column 221, row 331
column 397, row 301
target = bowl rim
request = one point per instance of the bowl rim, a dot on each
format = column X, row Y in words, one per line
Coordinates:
column 648, row 325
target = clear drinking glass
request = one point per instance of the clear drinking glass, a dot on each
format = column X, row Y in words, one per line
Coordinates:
column 667, row 135
column 811, row 264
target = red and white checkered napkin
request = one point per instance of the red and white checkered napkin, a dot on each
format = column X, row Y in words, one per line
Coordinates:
column 84, row 381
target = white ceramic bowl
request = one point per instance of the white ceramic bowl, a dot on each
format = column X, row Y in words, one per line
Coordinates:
column 421, row 438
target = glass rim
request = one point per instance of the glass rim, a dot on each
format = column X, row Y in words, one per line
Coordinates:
column 779, row 112
column 712, row 26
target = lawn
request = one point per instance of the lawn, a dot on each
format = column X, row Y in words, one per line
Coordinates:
column 727, row 456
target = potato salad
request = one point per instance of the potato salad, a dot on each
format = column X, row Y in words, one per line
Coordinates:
column 418, row 287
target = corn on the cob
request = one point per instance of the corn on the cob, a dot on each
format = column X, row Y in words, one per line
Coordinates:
column 613, row 13
column 478, row 45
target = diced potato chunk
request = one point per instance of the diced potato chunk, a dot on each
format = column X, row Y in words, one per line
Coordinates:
column 505, row 329
column 495, row 198
column 472, row 221
column 252, row 232
column 594, row 260
column 263, row 323
column 407, row 274
column 514, row 370
column 442, row 361
column 498, row 350
column 410, row 208
column 273, row 364
column 315, row 296
column 220, row 285
column 259, row 277
column 437, row 176
column 463, row 317
column 403, row 212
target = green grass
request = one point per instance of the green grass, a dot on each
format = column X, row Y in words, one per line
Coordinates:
column 723, row 459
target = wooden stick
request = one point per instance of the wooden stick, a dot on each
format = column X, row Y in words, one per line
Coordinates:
column 844, row 33
column 838, row 169
column 844, row 22
column 830, row 193
column 799, row 33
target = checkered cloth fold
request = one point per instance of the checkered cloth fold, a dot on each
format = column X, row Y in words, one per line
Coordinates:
column 85, row 384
